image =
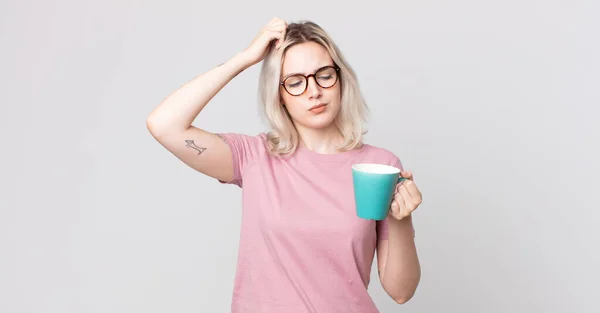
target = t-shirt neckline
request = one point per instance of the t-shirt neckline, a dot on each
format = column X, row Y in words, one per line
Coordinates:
column 329, row 157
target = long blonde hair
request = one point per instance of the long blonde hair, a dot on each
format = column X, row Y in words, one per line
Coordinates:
column 283, row 138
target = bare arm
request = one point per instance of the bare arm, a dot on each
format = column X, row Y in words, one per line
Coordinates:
column 170, row 123
column 398, row 262
column 177, row 112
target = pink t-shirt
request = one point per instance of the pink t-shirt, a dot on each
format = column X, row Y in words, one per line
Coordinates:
column 302, row 247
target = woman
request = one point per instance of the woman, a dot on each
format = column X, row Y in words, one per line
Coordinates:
column 302, row 247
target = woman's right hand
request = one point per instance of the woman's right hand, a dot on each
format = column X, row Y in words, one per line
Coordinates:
column 258, row 48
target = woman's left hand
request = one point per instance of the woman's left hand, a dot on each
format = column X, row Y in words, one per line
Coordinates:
column 407, row 197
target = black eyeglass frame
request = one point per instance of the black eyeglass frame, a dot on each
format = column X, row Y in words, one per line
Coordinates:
column 306, row 77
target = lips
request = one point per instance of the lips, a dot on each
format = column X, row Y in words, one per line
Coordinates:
column 320, row 105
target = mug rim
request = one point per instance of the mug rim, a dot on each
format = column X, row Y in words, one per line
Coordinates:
column 375, row 168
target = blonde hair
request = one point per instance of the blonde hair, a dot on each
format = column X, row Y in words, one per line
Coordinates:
column 283, row 138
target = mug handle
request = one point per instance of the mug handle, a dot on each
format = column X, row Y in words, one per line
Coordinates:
column 402, row 179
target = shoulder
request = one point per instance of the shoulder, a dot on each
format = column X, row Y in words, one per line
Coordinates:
column 382, row 155
column 258, row 140
column 249, row 147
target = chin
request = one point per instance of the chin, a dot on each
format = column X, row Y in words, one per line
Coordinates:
column 319, row 121
column 318, row 125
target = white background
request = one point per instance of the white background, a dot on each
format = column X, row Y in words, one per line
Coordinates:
column 493, row 105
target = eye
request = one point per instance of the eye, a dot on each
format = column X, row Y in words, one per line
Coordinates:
column 294, row 81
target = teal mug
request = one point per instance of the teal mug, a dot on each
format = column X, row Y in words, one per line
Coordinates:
column 374, row 186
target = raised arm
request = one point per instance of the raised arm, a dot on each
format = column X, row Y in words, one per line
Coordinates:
column 170, row 123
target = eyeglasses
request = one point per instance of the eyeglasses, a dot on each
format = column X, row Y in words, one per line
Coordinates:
column 325, row 77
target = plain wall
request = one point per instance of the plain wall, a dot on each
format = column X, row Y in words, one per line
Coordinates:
column 494, row 106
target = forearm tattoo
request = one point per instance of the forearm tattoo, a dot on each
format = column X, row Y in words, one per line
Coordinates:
column 191, row 144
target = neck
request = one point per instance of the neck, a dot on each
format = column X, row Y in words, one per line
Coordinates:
column 323, row 140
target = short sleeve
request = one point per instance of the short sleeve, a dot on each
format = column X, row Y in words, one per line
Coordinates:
column 245, row 150
column 397, row 163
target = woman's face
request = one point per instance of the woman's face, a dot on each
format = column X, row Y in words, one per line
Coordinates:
column 316, row 106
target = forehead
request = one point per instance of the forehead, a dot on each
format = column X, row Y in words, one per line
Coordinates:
column 305, row 58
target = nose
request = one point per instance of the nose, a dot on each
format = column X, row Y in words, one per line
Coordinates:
column 313, row 89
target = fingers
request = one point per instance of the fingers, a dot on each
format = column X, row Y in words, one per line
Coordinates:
column 413, row 191
column 279, row 36
column 277, row 21
column 410, row 185
column 398, row 185
column 403, row 199
column 406, row 198
column 398, row 208
column 411, row 202
column 404, row 195
column 279, row 27
column 395, row 208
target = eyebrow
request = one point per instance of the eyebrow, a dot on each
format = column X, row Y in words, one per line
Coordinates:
column 292, row 74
